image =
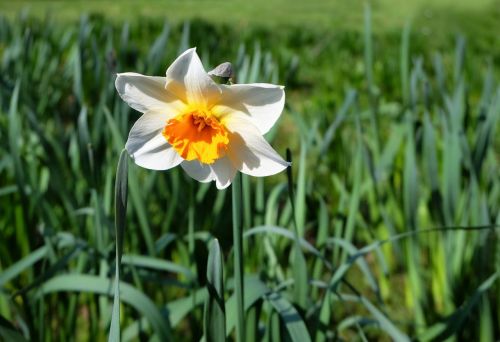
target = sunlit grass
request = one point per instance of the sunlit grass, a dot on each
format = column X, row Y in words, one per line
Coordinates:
column 315, row 14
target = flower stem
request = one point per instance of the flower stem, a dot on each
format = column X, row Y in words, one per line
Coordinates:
column 238, row 258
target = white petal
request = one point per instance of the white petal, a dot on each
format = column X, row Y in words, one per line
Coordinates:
column 148, row 147
column 187, row 78
column 262, row 102
column 249, row 151
column 224, row 172
column 200, row 172
column 145, row 93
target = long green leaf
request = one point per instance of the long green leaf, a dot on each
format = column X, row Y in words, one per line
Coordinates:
column 155, row 263
column 215, row 312
column 128, row 294
column 293, row 322
column 9, row 333
column 454, row 322
column 121, row 195
column 23, row 264
column 254, row 290
column 384, row 322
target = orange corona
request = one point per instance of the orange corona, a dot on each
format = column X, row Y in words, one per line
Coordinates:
column 197, row 135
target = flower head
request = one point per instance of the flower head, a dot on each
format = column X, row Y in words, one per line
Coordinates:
column 211, row 130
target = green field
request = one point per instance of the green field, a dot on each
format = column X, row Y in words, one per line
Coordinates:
column 391, row 118
column 440, row 15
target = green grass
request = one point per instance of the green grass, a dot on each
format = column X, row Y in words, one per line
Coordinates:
column 385, row 228
column 388, row 14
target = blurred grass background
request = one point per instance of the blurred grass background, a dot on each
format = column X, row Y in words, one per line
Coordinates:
column 315, row 14
column 391, row 116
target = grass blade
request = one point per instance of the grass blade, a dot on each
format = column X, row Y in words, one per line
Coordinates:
column 156, row 264
column 293, row 322
column 254, row 290
column 215, row 312
column 405, row 70
column 299, row 268
column 129, row 294
column 23, row 264
column 238, row 257
column 121, row 195
column 383, row 321
column 454, row 322
column 9, row 333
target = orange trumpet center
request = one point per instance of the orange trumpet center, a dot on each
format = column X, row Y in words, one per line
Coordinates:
column 197, row 135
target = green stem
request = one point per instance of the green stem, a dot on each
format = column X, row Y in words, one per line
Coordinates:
column 238, row 258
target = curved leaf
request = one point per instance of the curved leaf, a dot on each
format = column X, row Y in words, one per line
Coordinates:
column 129, row 295
column 293, row 322
column 23, row 264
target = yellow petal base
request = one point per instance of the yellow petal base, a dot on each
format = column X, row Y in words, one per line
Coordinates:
column 197, row 135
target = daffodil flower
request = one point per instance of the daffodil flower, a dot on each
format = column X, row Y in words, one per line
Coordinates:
column 211, row 130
